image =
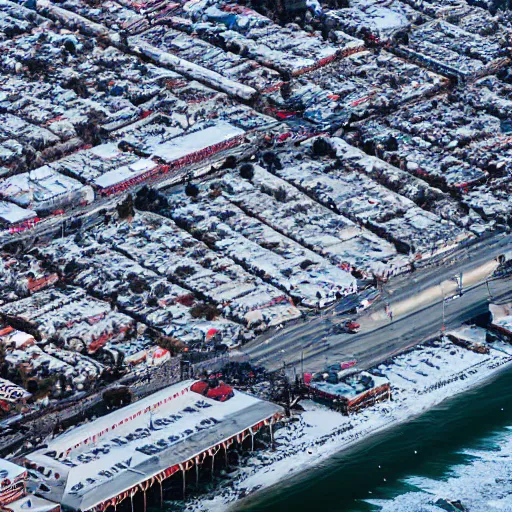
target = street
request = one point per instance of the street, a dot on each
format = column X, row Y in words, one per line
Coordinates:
column 416, row 302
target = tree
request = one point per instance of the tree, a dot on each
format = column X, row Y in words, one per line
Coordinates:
column 69, row 45
column 269, row 158
column 150, row 200
column 247, row 171
column 77, row 85
column 173, row 345
column 63, row 383
column 152, row 301
column 76, row 225
column 391, row 144
column 91, row 131
column 191, row 190
column 126, row 147
column 321, row 147
column 32, row 386
column 286, row 91
column 3, row 361
column 184, row 271
column 230, row 162
column 37, row 66
column 369, row 147
column 138, row 285
column 214, row 193
column 202, row 310
column 141, row 198
column 305, row 264
column 125, row 209
column 280, row 194
column 117, row 397
column 45, row 386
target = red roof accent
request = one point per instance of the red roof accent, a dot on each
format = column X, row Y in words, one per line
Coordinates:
column 6, row 330
column 211, row 333
column 220, row 393
column 160, row 352
column 200, row 387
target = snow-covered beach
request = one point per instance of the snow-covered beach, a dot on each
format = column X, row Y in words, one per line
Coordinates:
column 421, row 379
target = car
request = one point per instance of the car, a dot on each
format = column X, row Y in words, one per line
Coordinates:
column 348, row 327
column 351, row 327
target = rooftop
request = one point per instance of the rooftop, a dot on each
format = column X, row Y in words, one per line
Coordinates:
column 106, row 457
column 350, row 387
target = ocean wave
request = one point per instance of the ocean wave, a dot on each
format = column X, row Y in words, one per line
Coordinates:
column 482, row 484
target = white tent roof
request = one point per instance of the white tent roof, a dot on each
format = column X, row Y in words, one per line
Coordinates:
column 9, row 470
column 32, row 504
column 184, row 145
column 102, row 459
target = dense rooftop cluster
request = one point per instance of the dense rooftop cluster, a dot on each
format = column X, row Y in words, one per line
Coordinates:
column 194, row 173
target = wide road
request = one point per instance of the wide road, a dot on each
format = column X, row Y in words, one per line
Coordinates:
column 416, row 301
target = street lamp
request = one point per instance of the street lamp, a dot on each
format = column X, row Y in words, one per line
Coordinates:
column 488, row 289
column 444, row 306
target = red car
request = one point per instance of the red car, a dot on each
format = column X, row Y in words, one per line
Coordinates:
column 348, row 364
column 348, row 327
column 352, row 327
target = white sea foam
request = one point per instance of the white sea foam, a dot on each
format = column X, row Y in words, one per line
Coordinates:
column 482, row 484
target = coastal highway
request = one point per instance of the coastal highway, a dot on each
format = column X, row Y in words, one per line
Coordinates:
column 415, row 299
column 417, row 304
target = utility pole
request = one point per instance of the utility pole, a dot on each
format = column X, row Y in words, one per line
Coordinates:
column 458, row 280
column 444, row 306
column 443, row 327
column 488, row 289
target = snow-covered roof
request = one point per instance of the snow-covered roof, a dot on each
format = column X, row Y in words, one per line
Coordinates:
column 380, row 21
column 71, row 313
column 9, row 470
column 471, row 333
column 179, row 147
column 453, row 50
column 102, row 459
column 11, row 392
column 32, row 504
column 125, row 173
column 13, row 337
column 43, row 187
column 159, row 244
column 239, row 236
column 12, row 213
column 351, row 387
column 502, row 316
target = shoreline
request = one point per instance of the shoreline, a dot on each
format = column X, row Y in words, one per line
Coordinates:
column 293, row 457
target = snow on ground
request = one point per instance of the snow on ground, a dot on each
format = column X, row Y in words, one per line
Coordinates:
column 420, row 380
column 484, row 482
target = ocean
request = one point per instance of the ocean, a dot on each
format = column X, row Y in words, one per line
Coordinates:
column 459, row 450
